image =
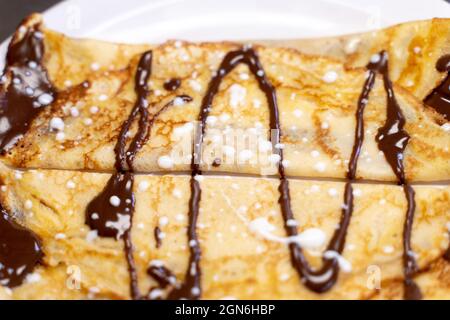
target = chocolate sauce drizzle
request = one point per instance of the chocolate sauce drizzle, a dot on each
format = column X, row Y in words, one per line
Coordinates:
column 20, row 250
column 157, row 235
column 172, row 84
column 29, row 90
column 392, row 140
column 318, row 280
column 111, row 212
column 163, row 276
column 191, row 286
column 439, row 98
column 20, row 102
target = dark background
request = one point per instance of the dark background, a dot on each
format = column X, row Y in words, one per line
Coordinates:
column 13, row 11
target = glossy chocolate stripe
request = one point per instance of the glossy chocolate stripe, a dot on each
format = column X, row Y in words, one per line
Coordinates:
column 317, row 280
column 20, row 251
column 191, row 286
column 172, row 84
column 439, row 98
column 20, row 102
column 157, row 236
column 412, row 290
column 29, row 89
column 323, row 279
column 111, row 212
column 392, row 140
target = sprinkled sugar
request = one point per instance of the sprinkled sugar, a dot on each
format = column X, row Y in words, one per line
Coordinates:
column 165, row 162
column 56, row 124
column 114, row 201
column 330, row 77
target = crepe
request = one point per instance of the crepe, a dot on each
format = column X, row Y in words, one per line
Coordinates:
column 317, row 117
column 221, row 170
column 414, row 48
column 253, row 260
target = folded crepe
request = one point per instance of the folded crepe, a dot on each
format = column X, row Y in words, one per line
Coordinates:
column 317, row 101
column 244, row 249
column 178, row 136
column 413, row 47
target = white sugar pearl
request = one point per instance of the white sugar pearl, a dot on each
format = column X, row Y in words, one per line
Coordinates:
column 114, row 201
column 320, row 166
column 274, row 158
column 163, row 221
column 29, row 91
column 28, row 204
column 33, row 277
column 311, row 238
column 375, row 58
column 178, row 101
column 70, row 184
column 211, row 120
column 32, row 64
column 176, row 193
column 57, row 123
column 388, row 249
column 192, row 243
column 352, row 45
column 330, row 77
column 224, row 117
column 93, row 109
column 45, row 99
column 195, row 291
column 143, row 186
column 60, row 236
column 446, row 127
column 243, row 76
column 4, row 124
column 165, row 162
column 315, row 153
column 195, row 85
column 298, row 113
column 60, row 136
column 74, row 112
column 332, row 192
column 95, row 66
column 199, row 178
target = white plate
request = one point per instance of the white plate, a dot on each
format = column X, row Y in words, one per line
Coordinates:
column 159, row 20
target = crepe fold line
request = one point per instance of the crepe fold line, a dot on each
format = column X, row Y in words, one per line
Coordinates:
column 317, row 116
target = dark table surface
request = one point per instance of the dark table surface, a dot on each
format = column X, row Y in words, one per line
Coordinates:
column 13, row 11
